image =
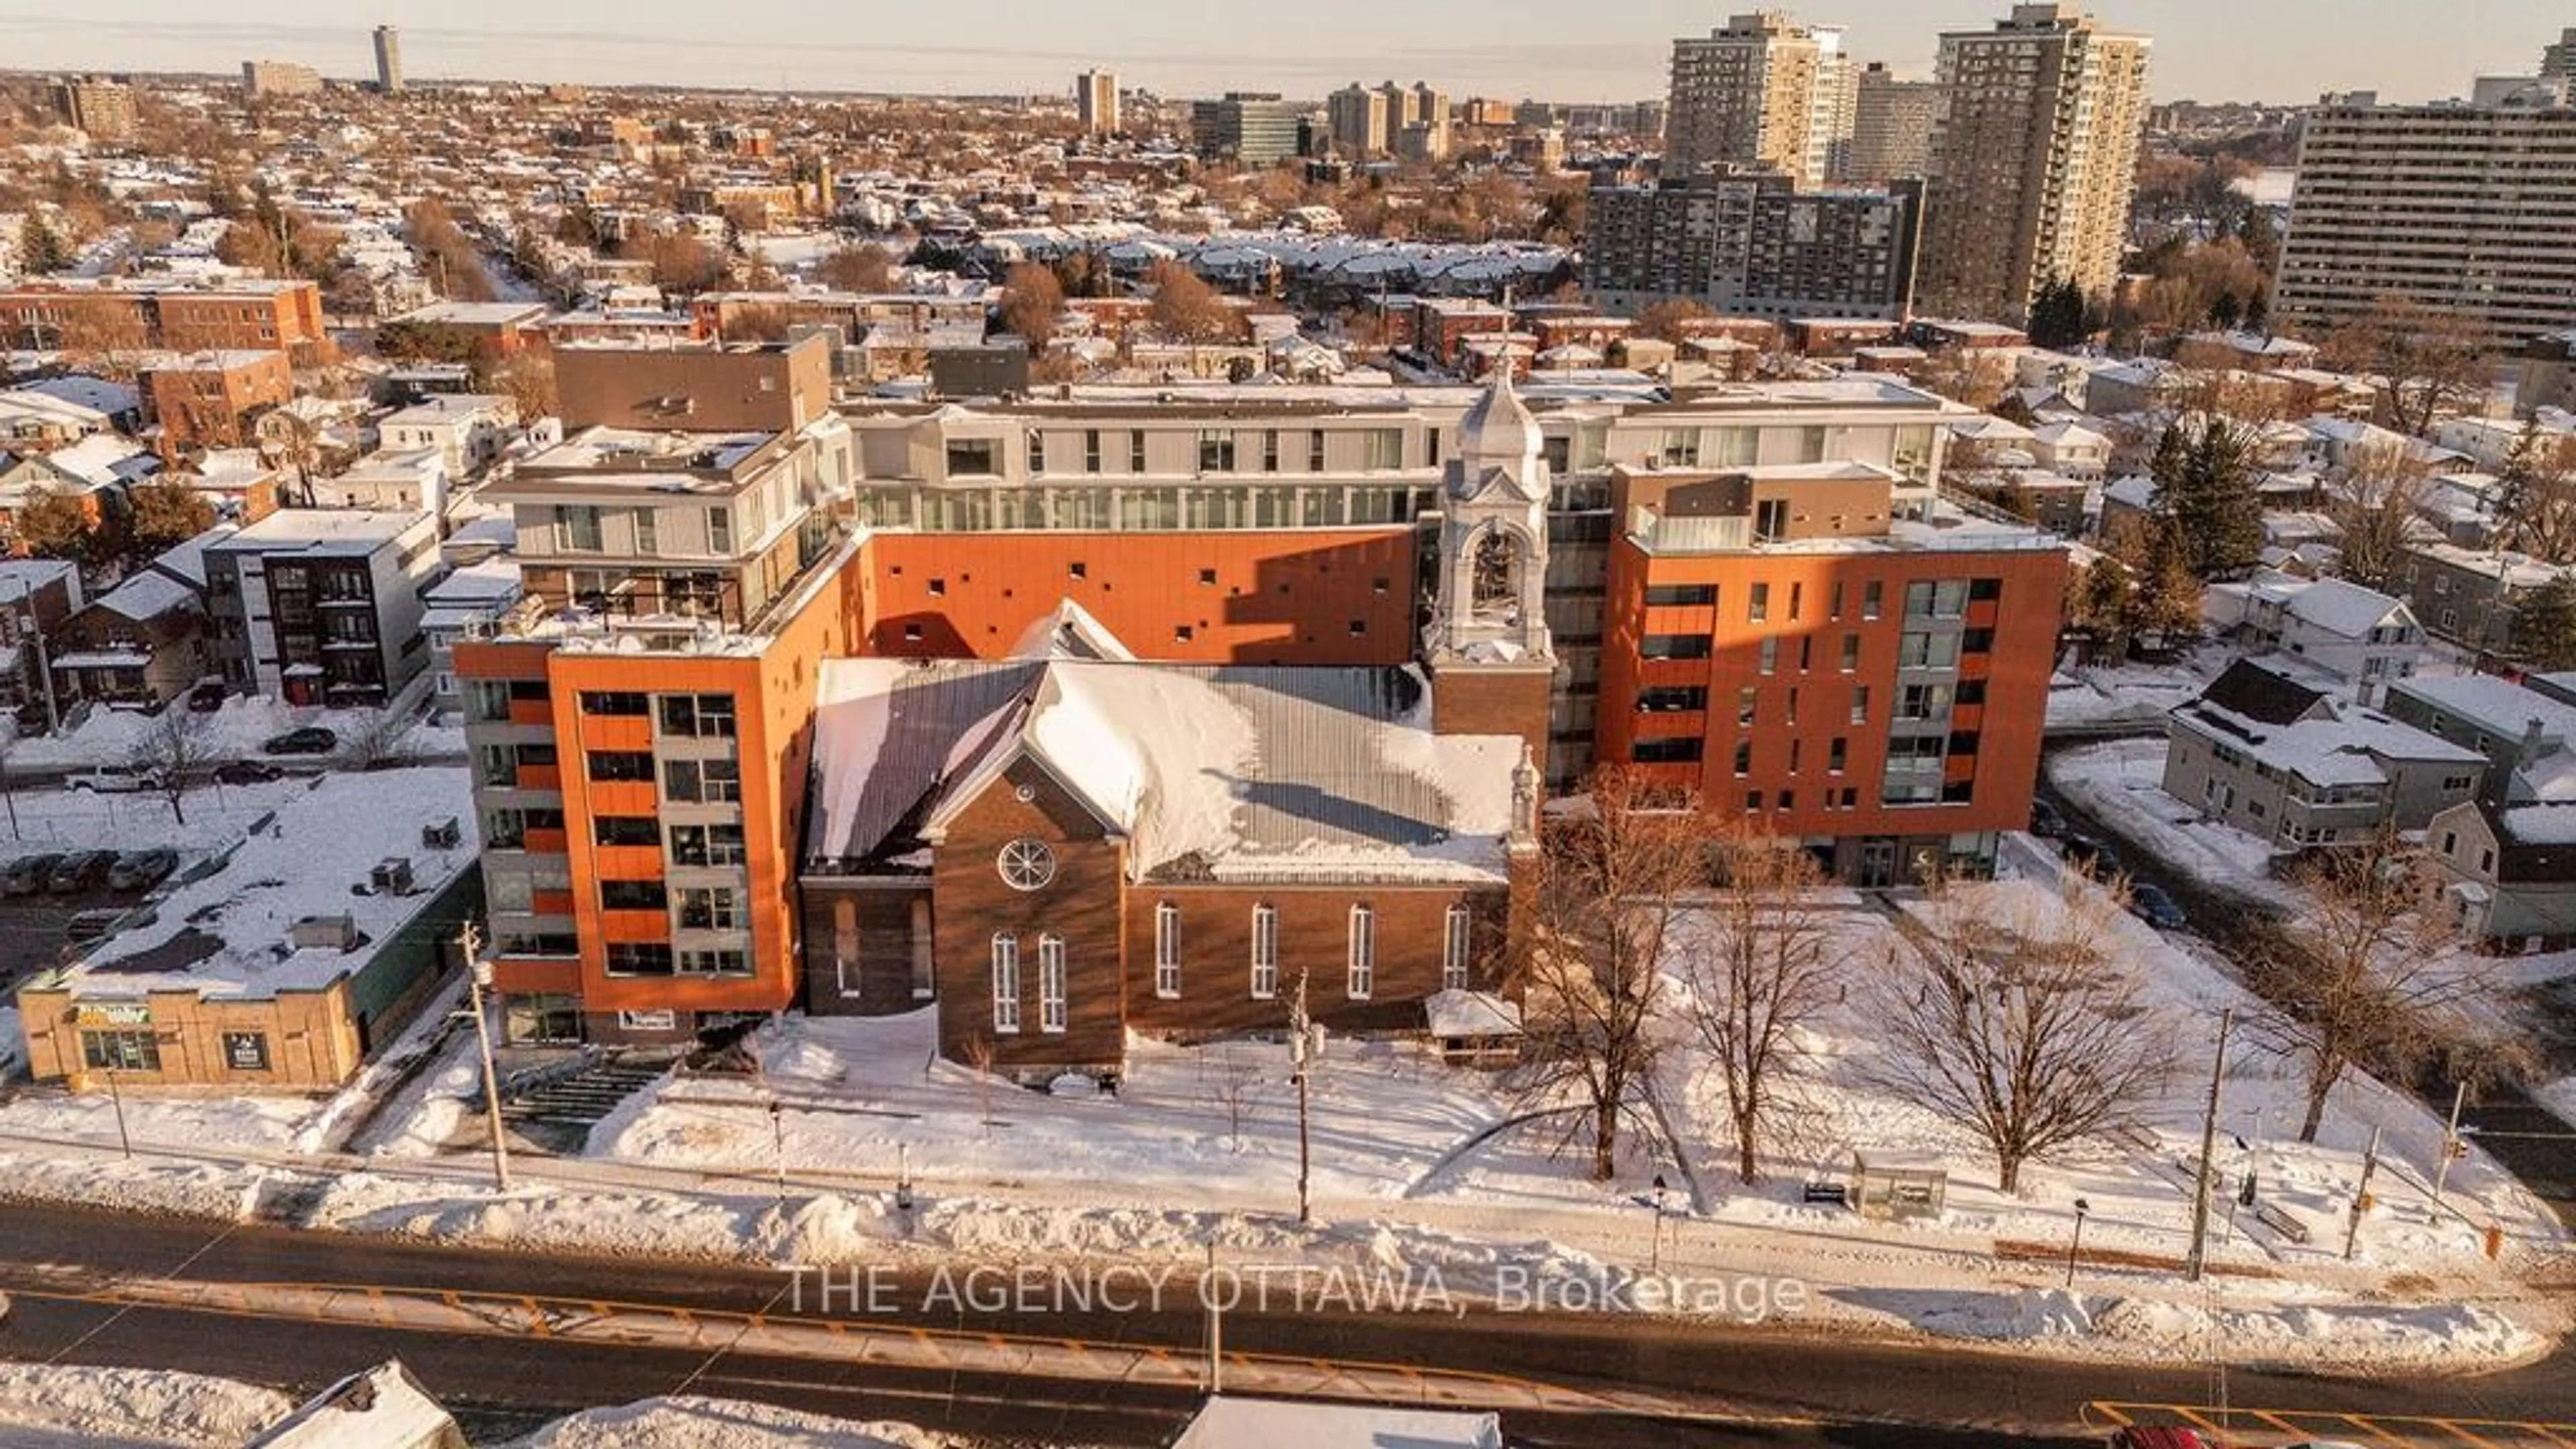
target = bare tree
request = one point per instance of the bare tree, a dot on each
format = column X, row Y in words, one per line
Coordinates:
column 1763, row 967
column 1032, row 300
column 1607, row 891
column 2377, row 502
column 2432, row 362
column 373, row 743
column 1186, row 309
column 2537, row 511
column 864, row 268
column 2371, row 973
column 178, row 749
column 2007, row 1014
column 1673, row 320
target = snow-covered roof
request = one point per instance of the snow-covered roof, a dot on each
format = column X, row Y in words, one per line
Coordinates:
column 1253, row 773
column 2326, row 752
column 148, row 595
column 2544, row 824
column 1069, row 633
column 226, row 935
column 95, row 393
column 1471, row 1013
column 1228, row 1423
column 380, row 1408
column 2500, row 707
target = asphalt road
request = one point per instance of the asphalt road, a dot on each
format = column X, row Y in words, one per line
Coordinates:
column 2509, row 1125
column 1833, row 1390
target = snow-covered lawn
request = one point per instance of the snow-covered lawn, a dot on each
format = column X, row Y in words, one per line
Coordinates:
column 694, row 1423
column 2122, row 783
column 236, row 731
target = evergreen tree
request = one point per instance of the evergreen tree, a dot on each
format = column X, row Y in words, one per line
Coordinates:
column 2544, row 625
column 2164, row 599
column 2205, row 496
column 2225, row 312
column 41, row 249
column 2058, row 314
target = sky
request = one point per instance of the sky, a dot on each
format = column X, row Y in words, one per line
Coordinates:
column 2268, row 50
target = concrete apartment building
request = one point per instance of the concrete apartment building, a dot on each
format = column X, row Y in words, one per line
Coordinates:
column 1356, row 117
column 322, row 606
column 102, row 108
column 263, row 79
column 389, row 71
column 1752, row 245
column 2034, row 161
column 2465, row 208
column 643, row 725
column 1892, row 122
column 1762, row 90
column 1095, row 102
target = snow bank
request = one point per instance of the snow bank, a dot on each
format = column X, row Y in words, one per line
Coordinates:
column 199, row 1190
column 694, row 1423
column 2560, row 1098
column 2133, row 1328
column 13, row 1042
column 126, row 1406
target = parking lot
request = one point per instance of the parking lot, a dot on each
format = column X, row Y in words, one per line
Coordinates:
column 31, row 933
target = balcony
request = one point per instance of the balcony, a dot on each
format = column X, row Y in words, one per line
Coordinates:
column 540, row 777
column 538, row 712
column 547, row 842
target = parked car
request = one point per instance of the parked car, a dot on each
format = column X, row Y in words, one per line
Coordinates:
column 2085, row 851
column 84, row 870
column 116, row 780
column 206, row 696
column 2151, row 905
column 2045, row 822
column 246, row 772
column 27, row 875
column 310, row 740
column 2158, row 1438
column 139, row 870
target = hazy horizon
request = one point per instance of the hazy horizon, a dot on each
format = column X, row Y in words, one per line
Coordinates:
column 2211, row 50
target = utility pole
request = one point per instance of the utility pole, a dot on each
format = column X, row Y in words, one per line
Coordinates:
column 116, row 1098
column 2453, row 1149
column 1301, row 1053
column 2199, row 1258
column 1216, row 1326
column 478, row 974
column 2361, row 1196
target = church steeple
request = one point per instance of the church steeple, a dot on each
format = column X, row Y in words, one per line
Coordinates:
column 1493, row 536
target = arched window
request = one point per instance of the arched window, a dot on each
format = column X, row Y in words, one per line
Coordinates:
column 1494, row 575
column 1006, row 983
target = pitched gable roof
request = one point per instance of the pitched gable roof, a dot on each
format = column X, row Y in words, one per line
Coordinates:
column 2257, row 693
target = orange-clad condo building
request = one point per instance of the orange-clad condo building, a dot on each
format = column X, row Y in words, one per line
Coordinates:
column 1386, row 619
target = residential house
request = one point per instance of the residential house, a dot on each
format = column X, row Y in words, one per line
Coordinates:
column 96, row 471
column 141, row 645
column 36, row 596
column 417, row 481
column 212, row 399
column 320, row 606
column 467, row 431
column 2360, row 637
column 2528, row 735
column 2469, row 596
column 2512, row 873
column 34, row 422
column 2071, row 450
column 2278, row 758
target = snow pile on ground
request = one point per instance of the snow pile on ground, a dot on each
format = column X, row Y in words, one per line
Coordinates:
column 197, row 1190
column 13, row 1042
column 815, row 1229
column 694, row 1423
column 2353, row 1335
column 122, row 1406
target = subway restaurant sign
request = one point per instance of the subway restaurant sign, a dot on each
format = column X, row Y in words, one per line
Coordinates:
column 136, row 1013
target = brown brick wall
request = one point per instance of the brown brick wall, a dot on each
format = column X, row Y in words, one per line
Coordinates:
column 869, row 927
column 1473, row 700
column 1082, row 905
column 1314, row 935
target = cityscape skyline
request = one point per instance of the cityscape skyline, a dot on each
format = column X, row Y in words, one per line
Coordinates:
column 2289, row 52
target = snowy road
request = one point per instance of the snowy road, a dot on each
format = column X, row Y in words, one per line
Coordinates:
column 74, row 1283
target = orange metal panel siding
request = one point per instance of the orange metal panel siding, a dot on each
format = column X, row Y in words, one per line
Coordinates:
column 1284, row 596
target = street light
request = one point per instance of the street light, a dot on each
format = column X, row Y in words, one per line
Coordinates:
column 478, row 975
column 2075, row 1245
column 1655, row 1261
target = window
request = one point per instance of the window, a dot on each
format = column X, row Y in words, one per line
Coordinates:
column 702, row 782
column 1091, row 450
column 1051, row 983
column 1770, row 654
column 1860, row 704
column 698, row 716
column 1977, row 641
column 633, row 895
column 1363, row 952
column 714, row 963
column 621, row 766
column 1457, row 938
column 1265, row 952
column 1873, row 599
column 1037, row 451
column 1760, row 607
column 580, row 528
column 1837, row 754
column 122, row 1051
column 1672, row 699
column 1743, row 758
column 625, row 830
column 710, row 908
column 1006, row 983
column 1385, row 449
column 1836, row 611
column 1985, row 591
column 619, row 704
column 1167, row 949
column 719, row 530
column 1315, row 451
column 1674, row 646
column 1675, row 750
column 974, row 458
column 648, row 531
column 1216, row 452
column 639, row 958
column 1027, row 865
column 1771, row 520
column 1270, row 451
column 704, row 846
column 1136, row 450
column 1928, row 651
column 1681, row 596
column 1748, row 701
